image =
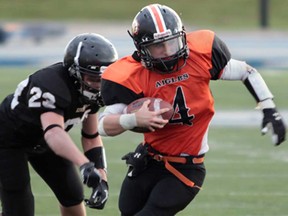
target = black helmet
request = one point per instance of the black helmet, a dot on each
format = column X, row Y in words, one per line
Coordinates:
column 158, row 25
column 89, row 54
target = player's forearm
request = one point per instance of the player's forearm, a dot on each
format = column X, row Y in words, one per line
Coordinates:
column 62, row 145
column 110, row 126
column 257, row 87
column 239, row 70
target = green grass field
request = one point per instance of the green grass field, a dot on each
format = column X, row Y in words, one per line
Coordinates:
column 246, row 175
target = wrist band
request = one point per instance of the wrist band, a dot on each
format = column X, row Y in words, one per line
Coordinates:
column 128, row 121
column 266, row 104
column 97, row 155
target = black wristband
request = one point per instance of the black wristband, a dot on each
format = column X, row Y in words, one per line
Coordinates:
column 97, row 155
column 89, row 136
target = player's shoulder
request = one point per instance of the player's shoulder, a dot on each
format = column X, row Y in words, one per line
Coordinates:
column 53, row 79
column 121, row 81
column 123, row 69
column 201, row 40
column 52, row 72
column 203, row 34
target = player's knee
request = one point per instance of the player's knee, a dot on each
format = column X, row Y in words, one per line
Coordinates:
column 18, row 200
column 13, row 191
column 71, row 199
column 127, row 211
column 70, row 202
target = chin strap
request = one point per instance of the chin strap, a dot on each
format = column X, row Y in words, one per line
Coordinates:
column 93, row 97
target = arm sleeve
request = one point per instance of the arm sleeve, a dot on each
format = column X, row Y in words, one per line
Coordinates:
column 113, row 92
column 220, row 56
column 118, row 108
column 239, row 70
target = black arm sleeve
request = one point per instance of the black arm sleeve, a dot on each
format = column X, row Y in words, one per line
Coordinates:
column 115, row 93
column 220, row 56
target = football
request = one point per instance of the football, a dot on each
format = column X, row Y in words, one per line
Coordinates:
column 155, row 104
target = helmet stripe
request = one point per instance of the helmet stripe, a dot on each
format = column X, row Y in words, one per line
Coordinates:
column 76, row 58
column 157, row 18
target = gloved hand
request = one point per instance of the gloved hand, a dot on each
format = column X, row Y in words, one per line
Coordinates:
column 272, row 120
column 99, row 196
column 90, row 175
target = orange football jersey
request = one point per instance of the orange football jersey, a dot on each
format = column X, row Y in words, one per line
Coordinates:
column 187, row 90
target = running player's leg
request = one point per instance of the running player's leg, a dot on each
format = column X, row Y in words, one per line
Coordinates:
column 15, row 189
column 135, row 191
column 62, row 177
column 170, row 195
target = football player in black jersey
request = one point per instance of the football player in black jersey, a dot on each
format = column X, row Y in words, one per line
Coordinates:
column 33, row 128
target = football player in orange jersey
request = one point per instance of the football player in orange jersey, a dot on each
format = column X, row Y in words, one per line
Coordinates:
column 166, row 171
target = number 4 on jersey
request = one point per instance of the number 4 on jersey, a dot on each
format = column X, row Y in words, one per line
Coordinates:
column 181, row 109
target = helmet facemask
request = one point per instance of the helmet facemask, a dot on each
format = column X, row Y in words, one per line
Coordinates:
column 164, row 55
column 87, row 89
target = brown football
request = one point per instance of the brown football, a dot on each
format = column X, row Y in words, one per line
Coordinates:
column 155, row 104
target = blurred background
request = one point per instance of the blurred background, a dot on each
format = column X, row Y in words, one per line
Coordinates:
column 34, row 33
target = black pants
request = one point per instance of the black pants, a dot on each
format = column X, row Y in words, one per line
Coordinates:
column 157, row 192
column 16, row 196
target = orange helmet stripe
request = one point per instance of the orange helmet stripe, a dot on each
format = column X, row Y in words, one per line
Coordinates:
column 157, row 18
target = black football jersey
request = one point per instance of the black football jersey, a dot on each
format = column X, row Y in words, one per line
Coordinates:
column 49, row 89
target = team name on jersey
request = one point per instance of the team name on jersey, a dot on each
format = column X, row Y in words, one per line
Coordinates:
column 171, row 80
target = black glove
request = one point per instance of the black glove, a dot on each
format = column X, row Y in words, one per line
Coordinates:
column 137, row 161
column 273, row 121
column 90, row 175
column 99, row 196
